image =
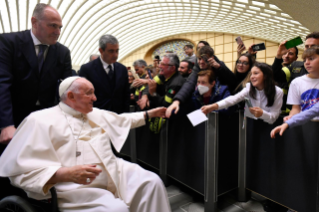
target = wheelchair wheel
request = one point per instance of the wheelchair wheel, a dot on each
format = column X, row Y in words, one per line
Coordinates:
column 15, row 204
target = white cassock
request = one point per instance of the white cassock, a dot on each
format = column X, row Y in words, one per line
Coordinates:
column 44, row 142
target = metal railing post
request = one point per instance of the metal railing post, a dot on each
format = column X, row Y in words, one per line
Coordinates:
column 132, row 137
column 163, row 152
column 242, row 192
column 211, row 163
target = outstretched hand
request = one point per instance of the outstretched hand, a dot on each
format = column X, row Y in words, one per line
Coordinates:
column 157, row 112
column 280, row 129
column 173, row 106
column 209, row 108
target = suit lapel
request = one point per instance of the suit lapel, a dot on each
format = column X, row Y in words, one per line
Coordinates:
column 28, row 50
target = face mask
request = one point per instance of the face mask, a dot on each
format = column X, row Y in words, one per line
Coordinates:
column 202, row 89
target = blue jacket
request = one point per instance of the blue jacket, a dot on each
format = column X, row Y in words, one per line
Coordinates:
column 219, row 92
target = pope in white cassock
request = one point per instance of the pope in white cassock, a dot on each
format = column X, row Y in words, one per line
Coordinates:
column 68, row 146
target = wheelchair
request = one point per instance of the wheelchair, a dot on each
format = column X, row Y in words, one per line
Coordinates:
column 19, row 204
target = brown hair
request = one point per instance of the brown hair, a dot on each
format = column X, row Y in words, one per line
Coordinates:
column 209, row 73
column 313, row 35
column 207, row 50
column 310, row 52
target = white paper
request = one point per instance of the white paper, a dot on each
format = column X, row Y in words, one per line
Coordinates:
column 196, row 117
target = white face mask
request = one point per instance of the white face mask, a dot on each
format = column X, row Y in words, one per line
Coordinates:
column 202, row 89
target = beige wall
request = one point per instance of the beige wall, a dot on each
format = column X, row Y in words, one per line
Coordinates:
column 224, row 45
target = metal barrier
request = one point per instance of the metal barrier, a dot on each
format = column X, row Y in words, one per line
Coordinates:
column 229, row 152
column 203, row 158
column 284, row 169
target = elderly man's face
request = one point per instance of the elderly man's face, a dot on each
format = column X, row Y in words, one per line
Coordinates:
column 83, row 100
column 110, row 54
column 48, row 29
column 166, row 69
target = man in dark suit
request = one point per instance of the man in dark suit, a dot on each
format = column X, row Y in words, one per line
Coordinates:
column 109, row 78
column 31, row 63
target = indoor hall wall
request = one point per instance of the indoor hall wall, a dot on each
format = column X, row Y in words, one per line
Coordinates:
column 224, row 45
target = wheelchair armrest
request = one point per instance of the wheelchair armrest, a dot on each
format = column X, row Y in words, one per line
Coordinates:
column 54, row 200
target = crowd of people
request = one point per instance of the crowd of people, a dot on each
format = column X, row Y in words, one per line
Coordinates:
column 47, row 124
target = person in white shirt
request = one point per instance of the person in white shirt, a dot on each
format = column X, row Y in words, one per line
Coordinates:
column 304, row 91
column 69, row 147
column 265, row 97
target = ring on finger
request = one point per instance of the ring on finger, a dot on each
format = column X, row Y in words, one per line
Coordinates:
column 88, row 180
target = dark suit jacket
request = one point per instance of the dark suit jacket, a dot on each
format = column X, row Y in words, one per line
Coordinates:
column 115, row 99
column 21, row 84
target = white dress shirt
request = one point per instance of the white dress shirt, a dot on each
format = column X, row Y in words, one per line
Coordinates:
column 106, row 65
column 36, row 42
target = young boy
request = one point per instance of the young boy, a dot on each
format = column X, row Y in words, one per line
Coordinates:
column 304, row 91
column 303, row 94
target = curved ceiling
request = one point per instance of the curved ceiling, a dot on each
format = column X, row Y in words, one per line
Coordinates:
column 138, row 22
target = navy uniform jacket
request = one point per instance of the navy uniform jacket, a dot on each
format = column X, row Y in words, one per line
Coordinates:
column 21, row 83
column 113, row 98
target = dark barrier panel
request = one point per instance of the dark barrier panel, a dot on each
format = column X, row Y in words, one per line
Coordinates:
column 186, row 151
column 186, row 147
column 284, row 169
column 147, row 146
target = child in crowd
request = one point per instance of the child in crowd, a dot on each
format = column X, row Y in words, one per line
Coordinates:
column 304, row 91
column 265, row 97
column 242, row 69
column 303, row 94
column 208, row 90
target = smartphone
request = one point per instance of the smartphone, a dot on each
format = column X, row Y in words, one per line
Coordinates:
column 259, row 47
column 149, row 74
column 240, row 41
column 293, row 42
column 248, row 102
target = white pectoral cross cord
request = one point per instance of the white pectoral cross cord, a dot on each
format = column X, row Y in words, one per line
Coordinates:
column 77, row 153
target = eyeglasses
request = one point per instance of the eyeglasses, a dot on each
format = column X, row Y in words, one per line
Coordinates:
column 242, row 63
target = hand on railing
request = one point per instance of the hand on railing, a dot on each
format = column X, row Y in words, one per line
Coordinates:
column 209, row 108
column 286, row 118
column 173, row 106
column 280, row 129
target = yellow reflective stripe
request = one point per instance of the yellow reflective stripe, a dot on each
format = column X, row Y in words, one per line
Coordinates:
column 287, row 73
column 168, row 99
column 137, row 91
column 158, row 80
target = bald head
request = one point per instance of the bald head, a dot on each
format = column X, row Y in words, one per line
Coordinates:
column 80, row 95
column 46, row 24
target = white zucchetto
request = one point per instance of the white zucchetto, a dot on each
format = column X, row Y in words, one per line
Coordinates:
column 66, row 83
